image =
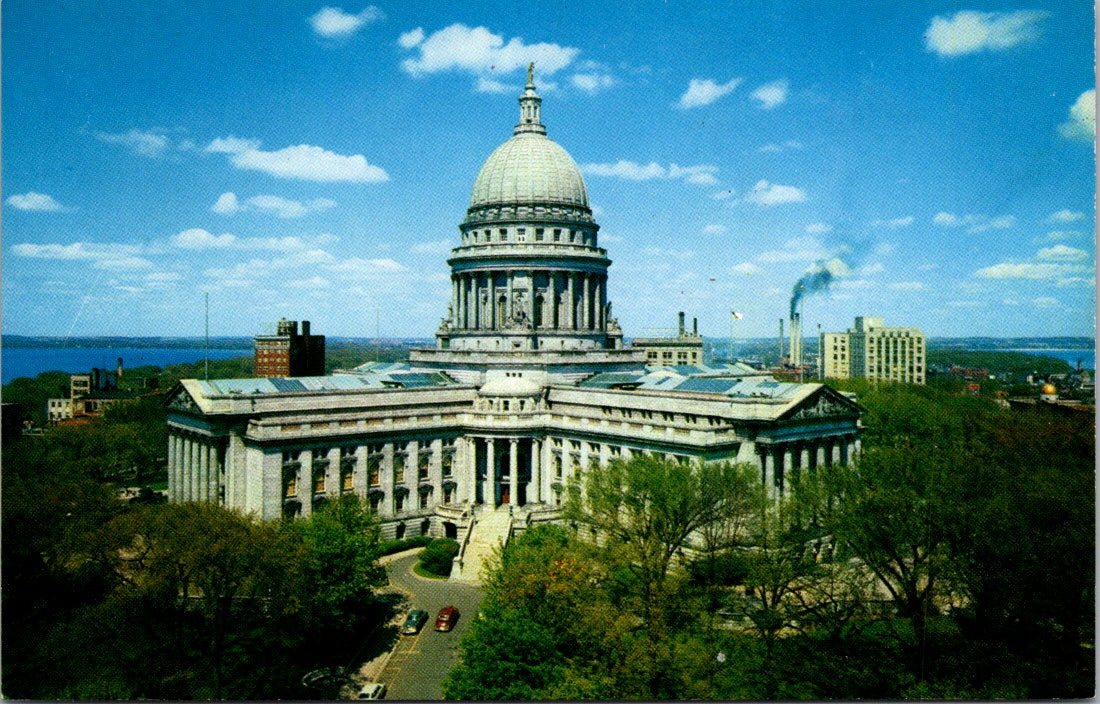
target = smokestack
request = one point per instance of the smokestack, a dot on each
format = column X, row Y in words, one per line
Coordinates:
column 305, row 327
column 780, row 342
column 681, row 323
column 796, row 339
column 695, row 327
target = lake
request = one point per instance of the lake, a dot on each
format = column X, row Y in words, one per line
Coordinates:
column 32, row 361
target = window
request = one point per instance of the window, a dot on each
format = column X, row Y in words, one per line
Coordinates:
column 319, row 483
column 374, row 463
column 538, row 234
column 422, row 467
column 448, row 464
column 557, row 235
column 399, row 503
column 376, row 500
column 399, row 469
column 521, row 235
column 345, row 480
column 291, row 487
column 503, row 235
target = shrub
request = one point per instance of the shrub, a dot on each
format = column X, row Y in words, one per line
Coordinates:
column 438, row 557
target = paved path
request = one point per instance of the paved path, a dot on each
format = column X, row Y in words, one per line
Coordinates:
column 418, row 664
column 488, row 535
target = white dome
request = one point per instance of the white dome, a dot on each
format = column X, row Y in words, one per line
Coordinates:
column 530, row 168
column 510, row 386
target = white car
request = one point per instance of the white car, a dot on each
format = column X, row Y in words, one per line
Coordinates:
column 372, row 690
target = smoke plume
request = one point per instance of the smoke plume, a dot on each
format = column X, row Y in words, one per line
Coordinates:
column 816, row 279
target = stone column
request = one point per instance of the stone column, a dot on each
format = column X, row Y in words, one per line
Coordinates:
column 359, row 478
column 334, row 486
column 531, row 298
column 489, row 494
column 305, row 485
column 785, row 475
column 454, row 300
column 492, row 302
column 171, row 467
column 204, row 462
column 586, row 306
column 819, row 456
column 804, row 460
column 834, row 455
column 469, row 468
column 509, row 301
column 552, row 292
column 767, row 460
column 192, row 468
column 386, row 482
column 534, row 488
column 570, row 308
column 513, row 472
column 601, row 284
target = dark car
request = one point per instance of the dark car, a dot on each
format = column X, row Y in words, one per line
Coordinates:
column 448, row 615
column 414, row 622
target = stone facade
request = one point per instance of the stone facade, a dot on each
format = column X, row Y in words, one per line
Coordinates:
column 872, row 351
column 529, row 383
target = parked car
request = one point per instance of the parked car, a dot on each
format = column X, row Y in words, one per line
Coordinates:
column 448, row 615
column 372, row 690
column 414, row 622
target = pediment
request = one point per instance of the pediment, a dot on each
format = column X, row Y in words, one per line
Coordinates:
column 825, row 403
column 180, row 400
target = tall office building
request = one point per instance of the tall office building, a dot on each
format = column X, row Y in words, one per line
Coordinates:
column 871, row 350
column 288, row 352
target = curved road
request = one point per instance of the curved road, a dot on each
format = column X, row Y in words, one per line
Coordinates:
column 420, row 663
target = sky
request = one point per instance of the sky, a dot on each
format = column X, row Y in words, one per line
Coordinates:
column 931, row 163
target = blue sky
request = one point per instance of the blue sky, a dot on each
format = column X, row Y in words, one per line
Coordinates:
column 310, row 161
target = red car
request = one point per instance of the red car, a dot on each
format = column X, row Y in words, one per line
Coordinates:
column 448, row 615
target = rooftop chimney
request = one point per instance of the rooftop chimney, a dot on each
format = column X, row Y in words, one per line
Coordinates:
column 681, row 323
column 695, row 327
column 305, row 328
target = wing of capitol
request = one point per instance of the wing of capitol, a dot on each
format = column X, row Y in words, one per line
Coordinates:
column 529, row 382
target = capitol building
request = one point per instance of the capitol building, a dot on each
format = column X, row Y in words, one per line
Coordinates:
column 528, row 383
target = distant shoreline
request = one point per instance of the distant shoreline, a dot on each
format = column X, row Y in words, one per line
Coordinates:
column 1016, row 344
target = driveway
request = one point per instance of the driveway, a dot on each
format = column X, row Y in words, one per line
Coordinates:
column 419, row 663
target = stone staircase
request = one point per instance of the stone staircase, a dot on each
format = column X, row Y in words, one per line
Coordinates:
column 489, row 533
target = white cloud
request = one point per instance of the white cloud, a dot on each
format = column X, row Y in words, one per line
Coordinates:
column 798, row 249
column 145, row 143
column 969, row 31
column 772, row 94
column 872, row 268
column 715, row 229
column 1082, row 118
column 198, row 238
column 304, row 162
column 702, row 92
column 745, row 268
column 36, row 202
column 702, row 174
column 412, row 38
column 1044, row 302
column 896, row 222
column 77, row 251
column 778, row 147
column 1062, row 253
column 1008, row 270
column 333, row 22
column 358, row 267
column 767, row 194
column 226, row 204
column 1063, row 216
column 315, row 282
column 488, row 85
column 818, row 228
column 477, row 50
column 286, row 208
column 974, row 223
column 592, row 83
column 232, row 145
